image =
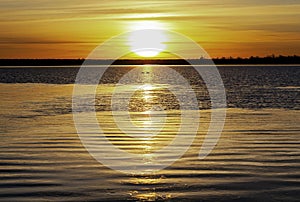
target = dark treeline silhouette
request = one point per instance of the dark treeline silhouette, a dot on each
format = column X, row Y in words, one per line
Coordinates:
column 219, row 61
column 259, row 60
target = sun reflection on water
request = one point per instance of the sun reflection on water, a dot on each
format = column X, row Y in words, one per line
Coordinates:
column 148, row 194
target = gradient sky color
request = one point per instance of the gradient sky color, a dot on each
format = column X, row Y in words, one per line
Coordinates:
column 73, row 28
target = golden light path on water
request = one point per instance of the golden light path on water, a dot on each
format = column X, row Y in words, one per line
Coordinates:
column 148, row 116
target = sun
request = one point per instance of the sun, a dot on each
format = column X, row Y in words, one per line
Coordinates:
column 147, row 40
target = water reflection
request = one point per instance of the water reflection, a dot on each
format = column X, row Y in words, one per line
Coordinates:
column 152, row 121
column 151, row 196
column 149, row 183
column 257, row 158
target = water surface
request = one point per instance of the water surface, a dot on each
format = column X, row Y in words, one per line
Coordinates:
column 256, row 159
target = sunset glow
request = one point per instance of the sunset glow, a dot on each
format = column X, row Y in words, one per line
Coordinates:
column 72, row 29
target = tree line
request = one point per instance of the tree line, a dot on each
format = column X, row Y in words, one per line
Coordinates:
column 272, row 59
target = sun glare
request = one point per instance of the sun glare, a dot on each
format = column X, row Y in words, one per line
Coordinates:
column 148, row 39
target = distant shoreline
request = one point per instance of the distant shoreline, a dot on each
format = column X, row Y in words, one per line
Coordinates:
column 269, row 60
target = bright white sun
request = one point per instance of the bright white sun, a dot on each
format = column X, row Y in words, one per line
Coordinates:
column 148, row 41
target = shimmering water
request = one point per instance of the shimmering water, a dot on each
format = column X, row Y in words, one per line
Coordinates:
column 256, row 159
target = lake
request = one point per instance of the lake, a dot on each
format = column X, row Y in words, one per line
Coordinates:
column 257, row 157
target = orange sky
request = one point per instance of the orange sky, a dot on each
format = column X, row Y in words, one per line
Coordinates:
column 73, row 28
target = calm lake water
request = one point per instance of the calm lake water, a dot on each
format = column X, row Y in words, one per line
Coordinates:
column 257, row 157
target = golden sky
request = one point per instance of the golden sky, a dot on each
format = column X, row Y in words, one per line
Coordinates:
column 73, row 28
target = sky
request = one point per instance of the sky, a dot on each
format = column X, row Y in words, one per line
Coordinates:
column 73, row 28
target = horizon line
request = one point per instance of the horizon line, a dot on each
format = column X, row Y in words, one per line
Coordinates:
column 153, row 58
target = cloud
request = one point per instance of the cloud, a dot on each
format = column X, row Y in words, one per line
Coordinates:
column 23, row 41
column 89, row 22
